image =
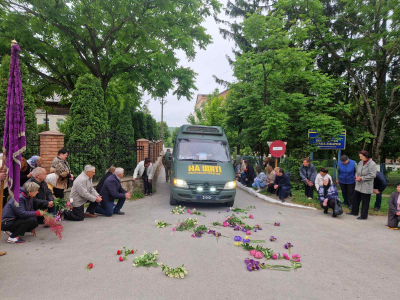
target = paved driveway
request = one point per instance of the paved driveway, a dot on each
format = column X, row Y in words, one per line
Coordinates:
column 343, row 258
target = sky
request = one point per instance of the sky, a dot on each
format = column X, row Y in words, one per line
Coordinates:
column 207, row 63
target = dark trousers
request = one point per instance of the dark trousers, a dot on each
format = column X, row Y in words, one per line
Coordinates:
column 107, row 207
column 394, row 222
column 378, row 200
column 92, row 208
column 243, row 178
column 330, row 204
column 76, row 214
column 148, row 186
column 283, row 192
column 59, row 193
column 270, row 188
column 309, row 190
column 167, row 172
column 364, row 199
column 18, row 227
column 347, row 192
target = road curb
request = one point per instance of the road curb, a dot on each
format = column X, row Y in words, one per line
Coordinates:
column 269, row 199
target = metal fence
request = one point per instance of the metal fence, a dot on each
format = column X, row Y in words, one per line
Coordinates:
column 32, row 147
column 105, row 150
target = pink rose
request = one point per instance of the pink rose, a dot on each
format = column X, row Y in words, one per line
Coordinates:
column 297, row 260
column 286, row 256
column 68, row 203
column 258, row 255
column 193, row 235
column 191, row 213
column 251, row 216
column 174, row 229
column 296, row 257
column 188, row 211
column 252, row 252
column 248, row 232
column 275, row 256
column 225, row 224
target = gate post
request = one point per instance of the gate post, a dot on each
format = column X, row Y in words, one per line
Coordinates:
column 141, row 155
column 50, row 143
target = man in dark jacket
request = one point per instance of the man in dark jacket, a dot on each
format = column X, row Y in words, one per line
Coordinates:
column 282, row 185
column 167, row 164
column 111, row 190
column 380, row 184
column 22, row 218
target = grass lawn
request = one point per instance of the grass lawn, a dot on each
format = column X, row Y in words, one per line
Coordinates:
column 299, row 198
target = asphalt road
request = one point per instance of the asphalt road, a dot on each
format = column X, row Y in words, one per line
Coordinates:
column 343, row 258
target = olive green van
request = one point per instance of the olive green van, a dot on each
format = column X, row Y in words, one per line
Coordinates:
column 202, row 170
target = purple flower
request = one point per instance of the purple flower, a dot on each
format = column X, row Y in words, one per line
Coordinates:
column 272, row 238
column 277, row 224
column 238, row 238
column 288, row 246
column 255, row 230
column 228, row 210
column 246, row 240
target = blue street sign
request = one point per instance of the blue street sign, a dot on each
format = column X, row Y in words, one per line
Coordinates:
column 338, row 143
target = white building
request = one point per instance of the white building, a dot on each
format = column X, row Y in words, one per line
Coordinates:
column 54, row 114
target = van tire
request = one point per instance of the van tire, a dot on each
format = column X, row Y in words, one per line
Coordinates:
column 230, row 203
column 172, row 201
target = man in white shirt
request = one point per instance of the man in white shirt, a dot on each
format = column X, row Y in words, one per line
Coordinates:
column 145, row 170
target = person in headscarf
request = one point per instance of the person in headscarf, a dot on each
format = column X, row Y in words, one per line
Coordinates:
column 51, row 180
column 327, row 196
column 34, row 161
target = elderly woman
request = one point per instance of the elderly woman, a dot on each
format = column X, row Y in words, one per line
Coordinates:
column 394, row 209
column 328, row 194
column 308, row 174
column 21, row 218
column 25, row 172
column 270, row 179
column 365, row 175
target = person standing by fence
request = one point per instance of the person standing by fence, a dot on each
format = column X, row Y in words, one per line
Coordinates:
column 145, row 170
column 347, row 179
column 308, row 174
column 61, row 168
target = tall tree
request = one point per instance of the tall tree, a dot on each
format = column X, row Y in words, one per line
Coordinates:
column 109, row 38
column 88, row 119
column 366, row 46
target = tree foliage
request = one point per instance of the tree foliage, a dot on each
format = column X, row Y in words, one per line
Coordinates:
column 108, row 39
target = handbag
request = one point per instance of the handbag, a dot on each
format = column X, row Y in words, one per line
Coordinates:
column 338, row 210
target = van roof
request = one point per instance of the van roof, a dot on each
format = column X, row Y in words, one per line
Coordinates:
column 201, row 132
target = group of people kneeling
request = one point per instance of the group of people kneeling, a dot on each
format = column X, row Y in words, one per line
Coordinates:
column 37, row 195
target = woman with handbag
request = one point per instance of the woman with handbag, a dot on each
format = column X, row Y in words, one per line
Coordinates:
column 61, row 168
column 328, row 195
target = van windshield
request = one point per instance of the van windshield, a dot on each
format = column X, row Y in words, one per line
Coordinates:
column 205, row 150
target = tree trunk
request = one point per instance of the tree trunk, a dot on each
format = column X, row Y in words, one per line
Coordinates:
column 238, row 143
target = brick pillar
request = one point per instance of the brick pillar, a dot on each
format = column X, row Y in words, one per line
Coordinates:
column 50, row 143
column 158, row 148
column 141, row 155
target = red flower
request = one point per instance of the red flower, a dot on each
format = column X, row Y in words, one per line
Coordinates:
column 121, row 259
column 89, row 266
column 118, row 252
column 132, row 251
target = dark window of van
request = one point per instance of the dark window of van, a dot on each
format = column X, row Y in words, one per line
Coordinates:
column 207, row 150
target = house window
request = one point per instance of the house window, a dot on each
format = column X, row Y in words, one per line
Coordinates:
column 61, row 121
column 44, row 121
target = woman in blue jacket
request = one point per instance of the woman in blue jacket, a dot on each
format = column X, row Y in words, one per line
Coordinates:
column 347, row 179
column 22, row 218
column 328, row 194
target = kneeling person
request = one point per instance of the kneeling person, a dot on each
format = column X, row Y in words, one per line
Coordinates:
column 83, row 191
column 22, row 218
column 282, row 187
column 328, row 194
column 111, row 190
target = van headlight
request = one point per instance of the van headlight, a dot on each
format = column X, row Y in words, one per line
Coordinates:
column 180, row 183
column 230, row 185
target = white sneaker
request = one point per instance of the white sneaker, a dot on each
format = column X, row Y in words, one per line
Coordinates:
column 16, row 240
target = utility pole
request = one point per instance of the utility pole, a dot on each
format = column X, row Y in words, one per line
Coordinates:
column 162, row 102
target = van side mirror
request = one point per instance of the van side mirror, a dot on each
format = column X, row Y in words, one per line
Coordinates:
column 238, row 159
